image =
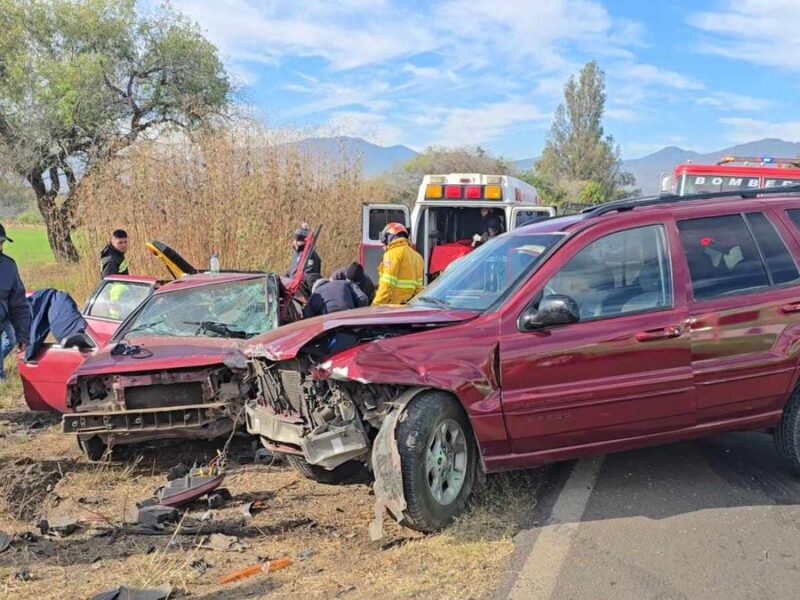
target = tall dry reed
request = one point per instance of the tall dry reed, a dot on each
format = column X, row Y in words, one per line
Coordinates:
column 240, row 193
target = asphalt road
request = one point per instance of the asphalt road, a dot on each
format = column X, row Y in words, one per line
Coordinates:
column 715, row 518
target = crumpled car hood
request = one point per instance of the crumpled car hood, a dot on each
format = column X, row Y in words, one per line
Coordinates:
column 285, row 342
column 158, row 353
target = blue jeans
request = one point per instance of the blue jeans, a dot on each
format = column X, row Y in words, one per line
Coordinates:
column 7, row 342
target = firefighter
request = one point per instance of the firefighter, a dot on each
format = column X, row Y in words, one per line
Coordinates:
column 400, row 273
column 112, row 257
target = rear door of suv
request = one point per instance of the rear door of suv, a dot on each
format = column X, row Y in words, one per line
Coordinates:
column 744, row 288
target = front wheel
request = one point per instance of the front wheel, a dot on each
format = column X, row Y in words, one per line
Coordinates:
column 787, row 434
column 438, row 458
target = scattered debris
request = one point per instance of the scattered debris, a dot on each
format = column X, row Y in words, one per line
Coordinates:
column 266, row 567
column 196, row 484
column 226, row 543
column 207, row 516
column 61, row 527
column 219, row 498
column 177, row 471
column 306, row 554
column 345, row 590
column 23, row 575
column 200, row 566
column 94, row 500
column 5, row 541
column 150, row 516
column 124, row 592
column 253, row 507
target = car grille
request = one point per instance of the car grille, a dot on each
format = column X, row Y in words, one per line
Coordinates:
column 161, row 395
column 292, row 383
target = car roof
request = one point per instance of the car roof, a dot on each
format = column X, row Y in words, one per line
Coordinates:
column 201, row 279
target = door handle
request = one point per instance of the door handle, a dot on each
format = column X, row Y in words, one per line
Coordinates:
column 665, row 333
column 793, row 307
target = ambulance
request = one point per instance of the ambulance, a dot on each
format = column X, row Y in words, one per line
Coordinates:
column 447, row 217
column 732, row 173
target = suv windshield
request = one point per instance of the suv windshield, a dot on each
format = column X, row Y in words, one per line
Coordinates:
column 230, row 309
column 480, row 278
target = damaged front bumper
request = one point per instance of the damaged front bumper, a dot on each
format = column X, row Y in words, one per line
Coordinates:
column 327, row 446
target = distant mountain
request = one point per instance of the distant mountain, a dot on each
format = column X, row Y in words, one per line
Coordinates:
column 378, row 159
column 374, row 159
column 647, row 168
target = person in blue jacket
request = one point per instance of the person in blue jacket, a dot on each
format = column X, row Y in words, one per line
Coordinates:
column 333, row 295
column 15, row 314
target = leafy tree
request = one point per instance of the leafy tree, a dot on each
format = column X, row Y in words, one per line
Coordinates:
column 548, row 193
column 81, row 80
column 403, row 182
column 577, row 153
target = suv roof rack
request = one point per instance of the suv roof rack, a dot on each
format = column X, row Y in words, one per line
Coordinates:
column 641, row 202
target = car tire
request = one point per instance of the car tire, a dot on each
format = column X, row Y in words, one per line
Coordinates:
column 787, row 434
column 344, row 472
column 438, row 457
column 94, row 448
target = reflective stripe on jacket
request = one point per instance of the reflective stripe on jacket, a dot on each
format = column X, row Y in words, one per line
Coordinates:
column 400, row 274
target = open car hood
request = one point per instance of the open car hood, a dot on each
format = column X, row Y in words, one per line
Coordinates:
column 285, row 342
column 161, row 353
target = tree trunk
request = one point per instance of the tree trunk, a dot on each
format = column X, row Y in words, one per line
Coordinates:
column 57, row 219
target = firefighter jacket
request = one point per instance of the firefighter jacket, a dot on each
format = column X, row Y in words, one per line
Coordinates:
column 400, row 273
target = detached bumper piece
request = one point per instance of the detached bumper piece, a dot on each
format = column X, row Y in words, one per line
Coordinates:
column 144, row 420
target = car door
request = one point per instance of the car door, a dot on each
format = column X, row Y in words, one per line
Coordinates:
column 745, row 298
column 44, row 377
column 374, row 217
column 623, row 370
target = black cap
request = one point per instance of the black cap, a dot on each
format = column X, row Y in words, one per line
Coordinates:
column 3, row 236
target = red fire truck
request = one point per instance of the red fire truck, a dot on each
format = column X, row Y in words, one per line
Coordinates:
column 732, row 173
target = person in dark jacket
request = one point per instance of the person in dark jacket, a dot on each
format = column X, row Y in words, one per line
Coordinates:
column 14, row 307
column 355, row 272
column 112, row 257
column 313, row 262
column 333, row 295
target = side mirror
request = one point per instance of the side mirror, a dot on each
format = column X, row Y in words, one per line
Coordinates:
column 80, row 340
column 556, row 309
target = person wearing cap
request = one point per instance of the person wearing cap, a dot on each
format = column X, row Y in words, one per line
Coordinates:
column 400, row 272
column 112, row 257
column 14, row 309
column 313, row 267
column 354, row 273
column 333, row 295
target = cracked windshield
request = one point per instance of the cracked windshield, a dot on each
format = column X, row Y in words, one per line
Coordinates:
column 479, row 279
column 230, row 310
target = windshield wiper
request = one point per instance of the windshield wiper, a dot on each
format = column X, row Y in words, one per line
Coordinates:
column 435, row 301
column 218, row 328
column 145, row 325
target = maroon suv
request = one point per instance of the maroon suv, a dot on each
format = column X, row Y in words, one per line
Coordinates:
column 639, row 323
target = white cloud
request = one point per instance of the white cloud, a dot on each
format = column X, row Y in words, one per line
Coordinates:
column 762, row 32
column 651, row 75
column 743, row 129
column 623, row 114
column 729, row 101
column 468, row 126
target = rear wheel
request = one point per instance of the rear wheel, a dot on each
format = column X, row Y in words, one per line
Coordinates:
column 787, row 434
column 438, row 457
column 342, row 473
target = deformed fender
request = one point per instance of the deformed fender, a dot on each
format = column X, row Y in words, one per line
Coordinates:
column 386, row 466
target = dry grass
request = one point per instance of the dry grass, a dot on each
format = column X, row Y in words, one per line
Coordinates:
column 240, row 193
column 467, row 560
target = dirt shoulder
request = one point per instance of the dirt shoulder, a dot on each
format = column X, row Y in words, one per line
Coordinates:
column 323, row 529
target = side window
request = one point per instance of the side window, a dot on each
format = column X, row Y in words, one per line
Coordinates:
column 722, row 256
column 780, row 263
column 380, row 217
column 794, row 215
column 621, row 273
column 526, row 217
column 117, row 299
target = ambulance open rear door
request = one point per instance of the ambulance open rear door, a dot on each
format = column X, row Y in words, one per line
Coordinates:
column 374, row 218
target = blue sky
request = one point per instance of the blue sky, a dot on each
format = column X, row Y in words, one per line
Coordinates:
column 699, row 74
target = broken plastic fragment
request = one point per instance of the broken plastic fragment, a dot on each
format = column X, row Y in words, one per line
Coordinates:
column 267, row 567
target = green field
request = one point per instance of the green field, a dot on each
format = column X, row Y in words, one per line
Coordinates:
column 30, row 247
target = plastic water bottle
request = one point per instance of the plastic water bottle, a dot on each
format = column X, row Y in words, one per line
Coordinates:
column 214, row 266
